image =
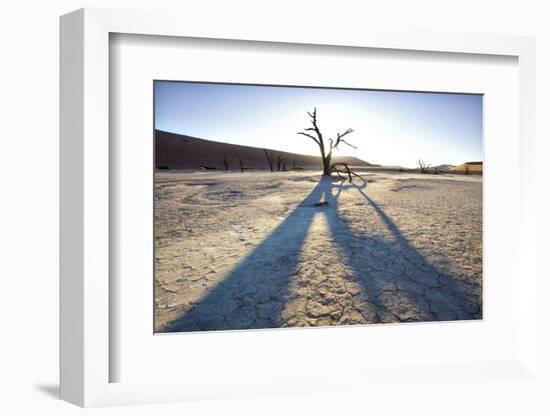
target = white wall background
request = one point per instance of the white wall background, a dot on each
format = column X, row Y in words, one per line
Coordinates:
column 29, row 188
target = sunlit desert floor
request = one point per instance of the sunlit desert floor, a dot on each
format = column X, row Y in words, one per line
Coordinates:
column 253, row 250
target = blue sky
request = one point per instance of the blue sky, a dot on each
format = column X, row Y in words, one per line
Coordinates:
column 390, row 128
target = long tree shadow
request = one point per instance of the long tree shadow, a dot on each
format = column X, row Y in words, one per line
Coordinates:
column 253, row 294
column 398, row 283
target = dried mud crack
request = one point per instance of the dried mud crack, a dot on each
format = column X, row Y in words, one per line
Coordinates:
column 270, row 250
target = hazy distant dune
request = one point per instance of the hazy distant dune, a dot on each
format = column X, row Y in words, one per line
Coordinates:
column 175, row 151
column 444, row 167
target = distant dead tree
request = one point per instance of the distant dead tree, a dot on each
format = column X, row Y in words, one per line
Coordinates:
column 424, row 167
column 225, row 163
column 269, row 157
column 279, row 162
column 241, row 164
column 317, row 137
column 296, row 167
column 466, row 169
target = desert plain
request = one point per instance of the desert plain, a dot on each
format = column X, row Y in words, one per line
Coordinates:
column 251, row 250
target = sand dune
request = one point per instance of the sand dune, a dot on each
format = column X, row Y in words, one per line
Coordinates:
column 473, row 167
column 175, row 151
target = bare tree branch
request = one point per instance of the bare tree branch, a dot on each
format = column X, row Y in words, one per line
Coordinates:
column 349, row 144
column 315, row 127
column 339, row 138
column 423, row 166
column 348, row 131
column 347, row 170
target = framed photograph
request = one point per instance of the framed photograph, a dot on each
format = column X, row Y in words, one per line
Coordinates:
column 249, row 235
column 264, row 214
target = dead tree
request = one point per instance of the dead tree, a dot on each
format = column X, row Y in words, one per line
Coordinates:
column 225, row 163
column 346, row 169
column 269, row 157
column 241, row 164
column 424, row 167
column 279, row 162
column 296, row 167
column 324, row 148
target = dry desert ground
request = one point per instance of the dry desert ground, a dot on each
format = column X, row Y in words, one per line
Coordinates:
column 290, row 249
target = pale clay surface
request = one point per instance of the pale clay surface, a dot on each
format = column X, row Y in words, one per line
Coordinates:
column 251, row 250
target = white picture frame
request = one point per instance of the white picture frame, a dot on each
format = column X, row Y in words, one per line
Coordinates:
column 85, row 211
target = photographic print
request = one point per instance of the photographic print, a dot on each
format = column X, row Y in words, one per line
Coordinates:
column 288, row 206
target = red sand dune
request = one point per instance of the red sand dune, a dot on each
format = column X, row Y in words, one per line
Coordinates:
column 473, row 167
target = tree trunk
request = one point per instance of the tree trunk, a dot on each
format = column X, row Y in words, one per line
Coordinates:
column 326, row 165
column 326, row 168
column 326, row 160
